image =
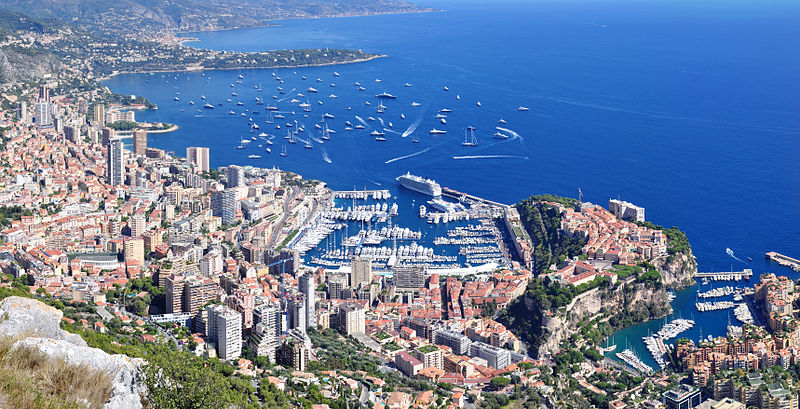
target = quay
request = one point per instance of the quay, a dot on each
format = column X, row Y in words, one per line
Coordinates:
column 470, row 199
column 729, row 275
column 362, row 194
column 785, row 261
column 612, row 364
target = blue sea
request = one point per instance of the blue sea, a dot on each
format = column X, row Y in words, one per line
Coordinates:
column 690, row 109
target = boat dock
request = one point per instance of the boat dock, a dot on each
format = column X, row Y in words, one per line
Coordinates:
column 727, row 275
column 612, row 364
column 362, row 194
column 785, row 261
column 470, row 199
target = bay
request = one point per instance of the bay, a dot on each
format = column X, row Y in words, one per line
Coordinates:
column 687, row 109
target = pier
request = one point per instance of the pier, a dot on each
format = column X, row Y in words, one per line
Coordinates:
column 612, row 364
column 785, row 261
column 468, row 198
column 727, row 275
column 362, row 194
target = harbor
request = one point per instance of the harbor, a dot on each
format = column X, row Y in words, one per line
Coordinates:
column 370, row 224
column 655, row 343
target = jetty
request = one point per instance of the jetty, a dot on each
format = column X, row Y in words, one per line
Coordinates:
column 362, row 194
column 785, row 261
column 470, row 199
column 728, row 275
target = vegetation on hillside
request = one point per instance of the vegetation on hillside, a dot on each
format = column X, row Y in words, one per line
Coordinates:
column 677, row 242
column 542, row 221
column 31, row 380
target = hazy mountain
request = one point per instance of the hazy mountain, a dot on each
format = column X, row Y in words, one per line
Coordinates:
column 106, row 16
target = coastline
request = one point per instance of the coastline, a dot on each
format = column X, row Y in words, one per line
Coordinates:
column 172, row 128
column 269, row 24
column 201, row 68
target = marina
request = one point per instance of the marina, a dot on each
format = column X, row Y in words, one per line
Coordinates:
column 727, row 276
column 655, row 343
column 714, row 306
column 630, row 358
column 718, row 292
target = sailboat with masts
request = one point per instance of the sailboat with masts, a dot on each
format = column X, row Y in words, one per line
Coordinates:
column 469, row 137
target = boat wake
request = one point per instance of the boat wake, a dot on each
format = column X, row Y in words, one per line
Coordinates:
column 392, row 131
column 730, row 253
column 411, row 155
column 381, row 121
column 413, row 126
column 325, row 157
column 363, row 122
column 510, row 132
column 491, row 157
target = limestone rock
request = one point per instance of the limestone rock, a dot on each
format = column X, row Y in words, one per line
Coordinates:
column 123, row 369
column 38, row 327
column 26, row 317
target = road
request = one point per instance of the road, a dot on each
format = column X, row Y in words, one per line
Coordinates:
column 276, row 233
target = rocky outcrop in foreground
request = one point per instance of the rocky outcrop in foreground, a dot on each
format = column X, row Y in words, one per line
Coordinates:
column 38, row 327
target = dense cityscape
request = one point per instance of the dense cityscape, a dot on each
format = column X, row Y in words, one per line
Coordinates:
column 171, row 283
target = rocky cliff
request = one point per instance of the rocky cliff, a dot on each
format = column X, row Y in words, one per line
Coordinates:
column 18, row 64
column 639, row 302
column 677, row 270
column 37, row 326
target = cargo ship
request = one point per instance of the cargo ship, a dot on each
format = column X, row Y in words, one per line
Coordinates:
column 419, row 184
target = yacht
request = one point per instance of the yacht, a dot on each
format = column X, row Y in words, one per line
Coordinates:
column 446, row 89
column 283, row 151
column 254, row 156
column 208, row 106
column 415, row 104
column 502, row 121
column 498, row 135
column 335, row 74
column 522, row 108
column 469, row 137
column 176, row 99
column 328, row 116
column 312, row 89
column 435, row 131
column 377, row 133
column 407, row 85
column 385, row 95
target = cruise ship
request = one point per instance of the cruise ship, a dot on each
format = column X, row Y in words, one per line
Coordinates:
column 419, row 184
